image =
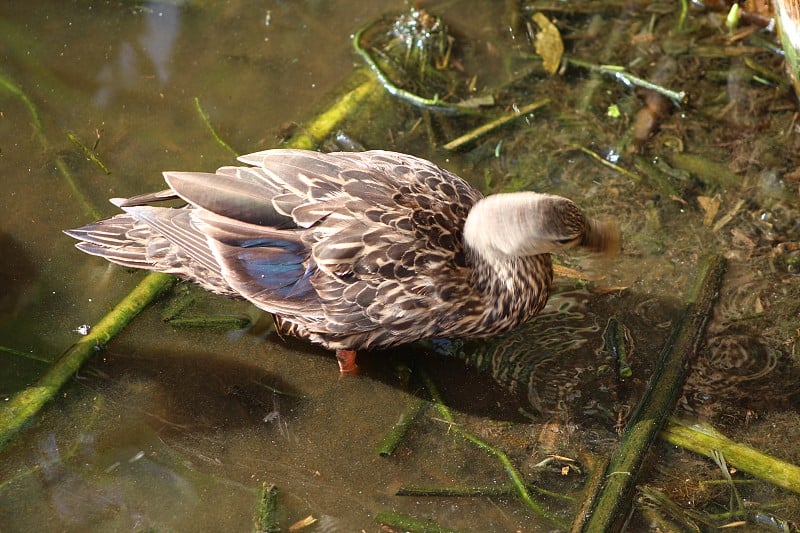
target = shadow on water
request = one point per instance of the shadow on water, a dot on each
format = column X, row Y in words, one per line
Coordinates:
column 17, row 275
column 195, row 393
column 561, row 364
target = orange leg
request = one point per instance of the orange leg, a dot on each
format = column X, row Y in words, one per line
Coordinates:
column 347, row 361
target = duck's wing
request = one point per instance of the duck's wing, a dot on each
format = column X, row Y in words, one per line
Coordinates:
column 341, row 243
column 385, row 234
column 154, row 238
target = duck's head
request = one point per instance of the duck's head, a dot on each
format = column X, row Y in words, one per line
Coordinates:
column 529, row 223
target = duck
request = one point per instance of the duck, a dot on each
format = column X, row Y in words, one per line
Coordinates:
column 352, row 250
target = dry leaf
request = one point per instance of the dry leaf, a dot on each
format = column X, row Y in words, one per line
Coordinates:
column 300, row 524
column 711, row 208
column 548, row 43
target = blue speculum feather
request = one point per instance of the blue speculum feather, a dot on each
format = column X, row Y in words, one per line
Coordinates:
column 277, row 266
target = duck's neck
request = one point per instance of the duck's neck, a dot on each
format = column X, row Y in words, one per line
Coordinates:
column 511, row 291
column 510, row 269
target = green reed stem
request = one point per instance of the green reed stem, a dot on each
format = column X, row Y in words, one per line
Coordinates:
column 267, row 514
column 400, row 428
column 704, row 439
column 24, row 405
column 616, row 494
column 207, row 121
column 38, row 129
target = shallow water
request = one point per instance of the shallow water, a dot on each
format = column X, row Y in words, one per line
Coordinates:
column 177, row 429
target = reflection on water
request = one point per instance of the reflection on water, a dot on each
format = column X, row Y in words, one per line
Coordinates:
column 148, row 56
column 77, row 502
column 553, row 361
column 177, row 429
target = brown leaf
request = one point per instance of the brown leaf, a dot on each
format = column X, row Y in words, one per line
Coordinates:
column 302, row 523
column 548, row 43
column 711, row 208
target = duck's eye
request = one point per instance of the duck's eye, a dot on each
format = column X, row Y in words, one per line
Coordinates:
column 564, row 241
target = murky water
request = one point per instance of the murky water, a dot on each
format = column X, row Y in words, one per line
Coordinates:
column 177, row 429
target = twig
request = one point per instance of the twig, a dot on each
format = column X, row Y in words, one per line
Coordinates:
column 400, row 428
column 677, row 97
column 207, row 121
column 607, row 163
column 659, row 398
column 727, row 217
column 494, row 124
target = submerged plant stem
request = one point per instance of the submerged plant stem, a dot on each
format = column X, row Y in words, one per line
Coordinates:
column 207, row 121
column 514, row 475
column 23, row 406
column 225, row 322
column 469, row 492
column 267, row 515
column 38, row 129
column 409, row 523
column 665, row 384
column 400, row 428
column 677, row 97
column 88, row 152
column 511, row 471
column 25, row 355
column 704, row 439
